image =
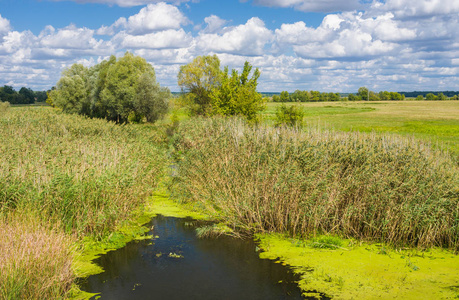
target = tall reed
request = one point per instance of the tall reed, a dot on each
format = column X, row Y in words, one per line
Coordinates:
column 367, row 186
column 87, row 174
column 35, row 259
column 76, row 177
column 4, row 106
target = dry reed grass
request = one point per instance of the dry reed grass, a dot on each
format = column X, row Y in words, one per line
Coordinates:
column 367, row 186
column 83, row 176
column 35, row 260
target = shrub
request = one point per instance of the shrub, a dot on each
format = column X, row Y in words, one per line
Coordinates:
column 291, row 115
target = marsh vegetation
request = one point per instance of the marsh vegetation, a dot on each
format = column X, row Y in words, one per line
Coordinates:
column 76, row 177
column 320, row 173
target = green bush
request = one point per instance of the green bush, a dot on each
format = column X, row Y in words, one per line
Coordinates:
column 291, row 115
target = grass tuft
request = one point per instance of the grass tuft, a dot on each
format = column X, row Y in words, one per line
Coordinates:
column 35, row 260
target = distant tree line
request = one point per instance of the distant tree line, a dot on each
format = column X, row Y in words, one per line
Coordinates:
column 439, row 96
column 363, row 94
column 24, row 96
column 415, row 94
column 306, row 96
column 121, row 90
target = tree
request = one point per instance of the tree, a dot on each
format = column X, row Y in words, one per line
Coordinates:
column 27, row 94
column 40, row 96
column 8, row 94
column 284, row 96
column 353, row 97
column 237, row 94
column 420, row 97
column 374, row 96
column 276, row 98
column 71, row 93
column 150, row 100
column 431, row 96
column 198, row 78
column 363, row 93
column 120, row 90
column 442, row 96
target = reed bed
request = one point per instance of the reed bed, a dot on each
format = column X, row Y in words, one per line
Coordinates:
column 78, row 177
column 87, row 174
column 4, row 106
column 313, row 181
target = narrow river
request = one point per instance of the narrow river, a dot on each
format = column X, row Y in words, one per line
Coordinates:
column 178, row 265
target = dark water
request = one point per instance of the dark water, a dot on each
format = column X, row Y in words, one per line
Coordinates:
column 212, row 268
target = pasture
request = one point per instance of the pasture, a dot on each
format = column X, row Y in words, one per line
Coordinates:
column 433, row 121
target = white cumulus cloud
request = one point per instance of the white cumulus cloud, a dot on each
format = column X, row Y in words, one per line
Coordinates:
column 214, row 24
column 70, row 37
column 247, row 39
column 349, row 35
column 4, row 25
column 155, row 17
column 158, row 40
column 419, row 8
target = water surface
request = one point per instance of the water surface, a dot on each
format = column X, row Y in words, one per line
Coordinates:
column 178, row 265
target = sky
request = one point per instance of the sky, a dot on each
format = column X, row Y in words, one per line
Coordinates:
column 327, row 45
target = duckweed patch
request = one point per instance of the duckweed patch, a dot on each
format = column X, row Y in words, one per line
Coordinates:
column 160, row 204
column 365, row 271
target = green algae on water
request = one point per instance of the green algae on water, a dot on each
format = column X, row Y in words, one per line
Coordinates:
column 363, row 271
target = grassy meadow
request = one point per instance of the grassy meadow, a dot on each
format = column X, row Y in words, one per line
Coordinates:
column 434, row 121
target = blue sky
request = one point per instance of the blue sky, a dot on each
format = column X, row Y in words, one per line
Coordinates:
column 331, row 46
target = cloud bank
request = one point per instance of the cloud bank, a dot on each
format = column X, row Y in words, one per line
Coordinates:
column 392, row 45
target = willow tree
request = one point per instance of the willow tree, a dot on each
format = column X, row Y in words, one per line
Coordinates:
column 119, row 90
column 72, row 90
column 197, row 79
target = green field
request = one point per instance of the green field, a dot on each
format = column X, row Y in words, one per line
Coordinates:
column 434, row 121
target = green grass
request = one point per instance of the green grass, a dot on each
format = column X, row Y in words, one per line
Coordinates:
column 433, row 121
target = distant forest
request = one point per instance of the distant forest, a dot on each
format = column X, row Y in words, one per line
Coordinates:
column 23, row 96
column 407, row 94
column 425, row 93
